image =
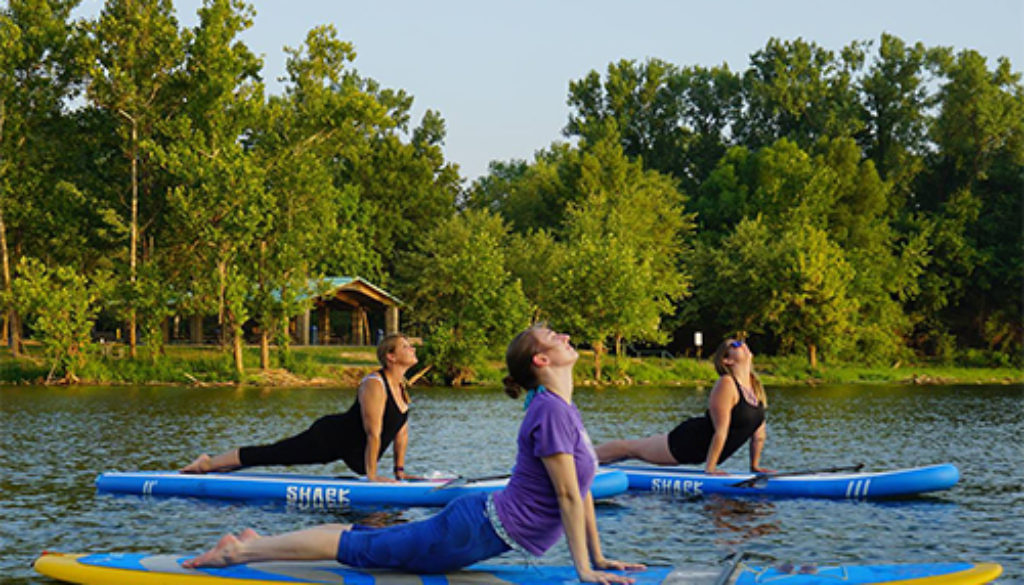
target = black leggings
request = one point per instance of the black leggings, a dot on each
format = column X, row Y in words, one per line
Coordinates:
column 321, row 443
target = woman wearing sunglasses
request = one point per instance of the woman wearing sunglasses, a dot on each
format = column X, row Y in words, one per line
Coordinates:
column 735, row 414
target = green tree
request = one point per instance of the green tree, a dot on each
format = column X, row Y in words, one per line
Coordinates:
column 810, row 307
column 642, row 103
column 462, row 296
column 61, row 305
column 529, row 196
column 404, row 188
column 137, row 49
column 38, row 74
column 624, row 246
column 220, row 200
column 674, row 119
column 297, row 227
column 800, row 91
column 971, row 194
column 896, row 101
column 536, row 260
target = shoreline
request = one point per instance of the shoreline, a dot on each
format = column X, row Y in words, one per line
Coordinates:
column 320, row 366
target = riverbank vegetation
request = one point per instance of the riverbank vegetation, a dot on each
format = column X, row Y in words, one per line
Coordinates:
column 852, row 207
column 345, row 366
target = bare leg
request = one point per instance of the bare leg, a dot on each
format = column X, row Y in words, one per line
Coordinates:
column 319, row 543
column 652, row 449
column 225, row 461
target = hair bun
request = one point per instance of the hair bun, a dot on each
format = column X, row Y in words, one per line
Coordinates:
column 512, row 388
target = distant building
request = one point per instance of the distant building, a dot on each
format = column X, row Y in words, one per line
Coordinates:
column 350, row 311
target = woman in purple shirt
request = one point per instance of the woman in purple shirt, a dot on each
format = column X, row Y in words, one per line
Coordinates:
column 555, row 465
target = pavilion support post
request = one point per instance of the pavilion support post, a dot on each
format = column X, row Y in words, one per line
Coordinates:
column 391, row 320
column 358, row 326
column 195, row 330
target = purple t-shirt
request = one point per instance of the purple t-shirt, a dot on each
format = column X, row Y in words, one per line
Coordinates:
column 528, row 506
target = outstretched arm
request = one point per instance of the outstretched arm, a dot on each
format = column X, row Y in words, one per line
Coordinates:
column 594, row 543
column 372, row 401
column 723, row 397
column 562, row 470
column 401, row 444
column 756, row 446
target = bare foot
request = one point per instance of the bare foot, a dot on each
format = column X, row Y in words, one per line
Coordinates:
column 200, row 465
column 224, row 554
column 248, row 534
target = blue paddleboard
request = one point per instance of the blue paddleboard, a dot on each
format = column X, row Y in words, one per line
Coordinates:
column 693, row 482
column 314, row 492
column 139, row 569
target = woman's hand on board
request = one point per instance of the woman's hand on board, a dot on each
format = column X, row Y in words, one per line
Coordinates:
column 613, row 565
column 592, row 576
column 381, row 479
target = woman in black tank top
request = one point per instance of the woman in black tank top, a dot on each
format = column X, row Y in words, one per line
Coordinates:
column 358, row 436
column 735, row 414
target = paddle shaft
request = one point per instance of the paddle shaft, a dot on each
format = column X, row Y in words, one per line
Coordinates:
column 762, row 477
column 461, row 481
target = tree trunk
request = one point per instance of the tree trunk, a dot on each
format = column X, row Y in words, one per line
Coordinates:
column 264, row 348
column 9, row 316
column 133, row 252
column 812, row 354
column 3, row 237
column 598, row 351
column 15, row 334
column 239, row 365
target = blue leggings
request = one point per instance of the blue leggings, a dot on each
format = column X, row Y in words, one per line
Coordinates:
column 456, row 537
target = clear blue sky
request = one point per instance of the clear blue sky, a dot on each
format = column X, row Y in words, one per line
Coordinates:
column 498, row 72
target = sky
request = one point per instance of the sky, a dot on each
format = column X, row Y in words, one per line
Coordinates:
column 499, row 72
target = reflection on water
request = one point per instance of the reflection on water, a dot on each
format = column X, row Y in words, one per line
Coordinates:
column 56, row 440
column 738, row 521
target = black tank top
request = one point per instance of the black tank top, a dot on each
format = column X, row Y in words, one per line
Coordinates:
column 353, row 437
column 689, row 442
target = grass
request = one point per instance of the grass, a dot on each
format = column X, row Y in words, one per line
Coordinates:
column 187, row 364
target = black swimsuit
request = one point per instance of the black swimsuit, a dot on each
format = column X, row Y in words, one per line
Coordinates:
column 689, row 442
column 331, row 437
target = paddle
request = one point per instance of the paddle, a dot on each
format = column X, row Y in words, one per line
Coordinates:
column 763, row 477
column 461, row 481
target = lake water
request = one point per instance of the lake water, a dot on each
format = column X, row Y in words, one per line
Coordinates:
column 56, row 440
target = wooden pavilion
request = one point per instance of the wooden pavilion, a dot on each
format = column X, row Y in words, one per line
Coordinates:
column 356, row 296
column 364, row 301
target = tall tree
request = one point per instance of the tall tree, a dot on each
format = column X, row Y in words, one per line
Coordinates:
column 37, row 75
column 462, row 296
column 972, row 192
column 298, row 224
column 220, row 199
column 642, row 102
column 530, row 196
column 624, row 241
column 800, row 91
column 138, row 50
column 896, row 101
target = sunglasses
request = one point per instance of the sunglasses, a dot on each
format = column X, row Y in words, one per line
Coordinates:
column 735, row 344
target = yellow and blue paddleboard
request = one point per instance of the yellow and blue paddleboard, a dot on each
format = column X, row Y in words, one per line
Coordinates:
column 140, row 569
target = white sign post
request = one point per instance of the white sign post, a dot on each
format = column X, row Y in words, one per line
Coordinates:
column 698, row 340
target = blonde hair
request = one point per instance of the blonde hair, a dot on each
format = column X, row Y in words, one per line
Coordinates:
column 389, row 345
column 723, row 370
column 519, row 361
